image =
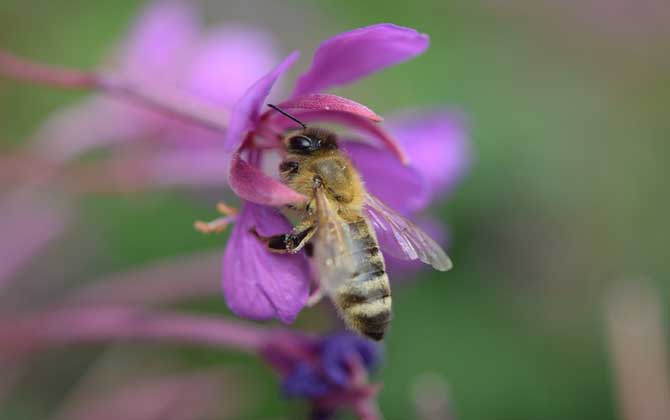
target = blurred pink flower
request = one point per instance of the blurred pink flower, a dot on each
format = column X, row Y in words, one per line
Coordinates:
column 408, row 181
column 166, row 47
column 260, row 285
column 331, row 372
column 28, row 224
column 185, row 396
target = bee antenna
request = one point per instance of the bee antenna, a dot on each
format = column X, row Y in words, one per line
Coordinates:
column 287, row 115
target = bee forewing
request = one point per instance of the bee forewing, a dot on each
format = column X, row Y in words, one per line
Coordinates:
column 404, row 239
column 333, row 244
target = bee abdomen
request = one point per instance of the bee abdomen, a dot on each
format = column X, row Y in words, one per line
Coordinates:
column 370, row 318
column 365, row 299
column 366, row 305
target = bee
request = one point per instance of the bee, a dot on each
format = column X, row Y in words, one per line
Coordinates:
column 336, row 228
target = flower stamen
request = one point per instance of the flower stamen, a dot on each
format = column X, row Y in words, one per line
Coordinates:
column 214, row 226
column 226, row 209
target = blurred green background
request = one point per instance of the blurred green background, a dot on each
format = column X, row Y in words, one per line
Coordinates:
column 568, row 191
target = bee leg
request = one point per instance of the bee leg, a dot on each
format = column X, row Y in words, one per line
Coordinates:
column 315, row 297
column 287, row 242
column 277, row 243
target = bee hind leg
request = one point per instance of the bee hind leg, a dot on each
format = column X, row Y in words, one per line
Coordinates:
column 291, row 242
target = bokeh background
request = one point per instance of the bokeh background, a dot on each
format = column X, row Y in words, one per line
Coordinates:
column 567, row 198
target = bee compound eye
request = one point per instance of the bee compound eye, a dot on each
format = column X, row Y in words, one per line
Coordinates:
column 300, row 143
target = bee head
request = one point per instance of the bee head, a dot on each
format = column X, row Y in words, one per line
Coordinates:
column 310, row 140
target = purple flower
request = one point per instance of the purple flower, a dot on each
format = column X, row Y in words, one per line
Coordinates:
column 274, row 285
column 331, row 372
column 166, row 47
column 405, row 180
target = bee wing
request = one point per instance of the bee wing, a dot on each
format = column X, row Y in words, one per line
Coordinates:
column 407, row 240
column 333, row 243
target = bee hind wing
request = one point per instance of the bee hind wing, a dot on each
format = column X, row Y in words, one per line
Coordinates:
column 403, row 239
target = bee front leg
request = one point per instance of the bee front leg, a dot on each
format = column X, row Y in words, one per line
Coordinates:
column 291, row 242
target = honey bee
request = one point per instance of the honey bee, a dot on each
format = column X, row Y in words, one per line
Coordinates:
column 336, row 228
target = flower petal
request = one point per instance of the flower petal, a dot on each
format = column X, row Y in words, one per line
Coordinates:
column 399, row 186
column 339, row 348
column 162, row 167
column 437, row 144
column 253, row 185
column 198, row 167
column 259, row 284
column 190, row 395
column 95, row 122
column 305, row 381
column 156, row 283
column 159, row 42
column 228, row 61
column 246, row 112
column 357, row 123
column 358, row 53
column 327, row 102
column 28, row 225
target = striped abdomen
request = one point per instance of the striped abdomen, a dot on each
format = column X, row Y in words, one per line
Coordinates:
column 364, row 299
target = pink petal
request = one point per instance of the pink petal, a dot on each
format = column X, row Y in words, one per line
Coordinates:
column 246, row 112
column 159, row 42
column 95, row 122
column 358, row 53
column 20, row 335
column 253, row 185
column 227, row 62
column 28, row 225
column 193, row 167
column 156, row 283
column 437, row 144
column 158, row 167
column 257, row 283
column 400, row 186
column 327, row 102
column 183, row 396
column 357, row 123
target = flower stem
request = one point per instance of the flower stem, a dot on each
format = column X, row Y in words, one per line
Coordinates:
column 99, row 323
column 28, row 71
column 164, row 99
